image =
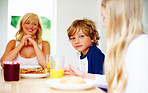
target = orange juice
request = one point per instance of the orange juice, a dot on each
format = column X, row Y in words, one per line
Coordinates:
column 56, row 73
column 48, row 64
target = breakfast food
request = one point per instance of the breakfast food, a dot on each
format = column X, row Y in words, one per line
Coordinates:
column 35, row 71
column 72, row 80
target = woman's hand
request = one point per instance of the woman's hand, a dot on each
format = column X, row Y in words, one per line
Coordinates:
column 31, row 41
column 25, row 40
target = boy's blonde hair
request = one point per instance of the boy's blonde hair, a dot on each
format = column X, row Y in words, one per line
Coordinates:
column 20, row 33
column 87, row 26
column 124, row 23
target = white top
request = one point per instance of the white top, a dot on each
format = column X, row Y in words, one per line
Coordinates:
column 101, row 81
column 27, row 61
column 82, row 64
column 136, row 61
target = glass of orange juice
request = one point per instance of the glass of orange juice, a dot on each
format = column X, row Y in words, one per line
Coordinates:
column 56, row 66
column 48, row 61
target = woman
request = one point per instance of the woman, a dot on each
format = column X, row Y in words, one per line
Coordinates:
column 28, row 48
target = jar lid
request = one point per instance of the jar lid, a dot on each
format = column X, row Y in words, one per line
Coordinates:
column 11, row 62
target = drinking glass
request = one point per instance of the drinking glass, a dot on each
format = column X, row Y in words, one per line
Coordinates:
column 48, row 61
column 57, row 66
column 11, row 70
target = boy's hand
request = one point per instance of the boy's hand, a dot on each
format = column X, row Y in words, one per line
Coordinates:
column 76, row 72
column 67, row 71
column 73, row 71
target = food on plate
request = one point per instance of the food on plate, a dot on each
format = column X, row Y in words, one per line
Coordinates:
column 35, row 71
column 72, row 80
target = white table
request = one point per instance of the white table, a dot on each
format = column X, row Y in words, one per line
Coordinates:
column 26, row 85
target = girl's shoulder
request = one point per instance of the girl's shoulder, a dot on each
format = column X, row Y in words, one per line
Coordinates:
column 140, row 40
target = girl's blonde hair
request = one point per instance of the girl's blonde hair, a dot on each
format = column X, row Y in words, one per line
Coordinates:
column 20, row 33
column 124, row 23
column 87, row 26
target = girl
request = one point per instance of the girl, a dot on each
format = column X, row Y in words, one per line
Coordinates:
column 126, row 62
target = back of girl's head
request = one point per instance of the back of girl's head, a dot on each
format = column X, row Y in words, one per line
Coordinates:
column 124, row 23
column 121, row 15
column 25, row 18
column 88, row 28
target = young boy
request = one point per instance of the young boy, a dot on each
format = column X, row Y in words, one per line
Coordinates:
column 84, row 38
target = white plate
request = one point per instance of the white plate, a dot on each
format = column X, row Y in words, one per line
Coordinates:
column 30, row 66
column 34, row 75
column 54, row 83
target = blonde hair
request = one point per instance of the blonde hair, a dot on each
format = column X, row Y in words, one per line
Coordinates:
column 124, row 23
column 87, row 26
column 20, row 33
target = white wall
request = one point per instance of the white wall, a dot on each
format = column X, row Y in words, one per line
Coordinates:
column 3, row 25
column 67, row 12
column 145, row 15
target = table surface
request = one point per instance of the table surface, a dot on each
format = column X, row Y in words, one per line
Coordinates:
column 35, row 85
